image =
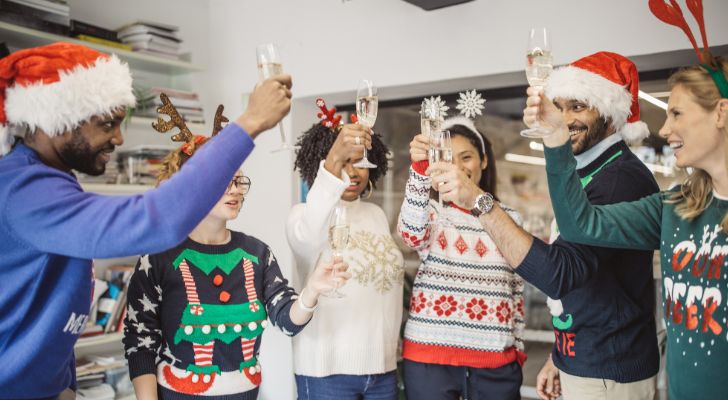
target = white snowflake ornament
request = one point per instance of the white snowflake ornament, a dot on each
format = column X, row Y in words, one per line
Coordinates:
column 434, row 108
column 470, row 104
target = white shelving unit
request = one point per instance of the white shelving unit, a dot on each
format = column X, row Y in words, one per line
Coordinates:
column 20, row 36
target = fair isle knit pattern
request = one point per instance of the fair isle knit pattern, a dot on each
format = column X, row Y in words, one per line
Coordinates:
column 467, row 303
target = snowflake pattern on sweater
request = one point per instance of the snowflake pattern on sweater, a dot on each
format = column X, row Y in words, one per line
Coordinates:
column 467, row 303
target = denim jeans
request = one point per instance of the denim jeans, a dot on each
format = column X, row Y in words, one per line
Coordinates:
column 446, row 382
column 348, row 387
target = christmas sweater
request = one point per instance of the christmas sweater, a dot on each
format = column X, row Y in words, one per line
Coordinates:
column 692, row 255
column 359, row 333
column 50, row 229
column 606, row 297
column 196, row 314
column 467, row 303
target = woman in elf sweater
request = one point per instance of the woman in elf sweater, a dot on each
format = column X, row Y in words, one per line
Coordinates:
column 464, row 332
column 349, row 350
column 196, row 312
column 687, row 224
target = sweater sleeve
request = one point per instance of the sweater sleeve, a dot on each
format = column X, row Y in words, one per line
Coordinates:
column 519, row 312
column 630, row 225
column 142, row 325
column 47, row 209
column 413, row 224
column 559, row 268
column 307, row 223
column 278, row 297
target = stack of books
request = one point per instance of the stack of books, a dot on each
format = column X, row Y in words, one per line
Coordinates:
column 108, row 307
column 187, row 104
column 152, row 38
column 96, row 34
column 51, row 16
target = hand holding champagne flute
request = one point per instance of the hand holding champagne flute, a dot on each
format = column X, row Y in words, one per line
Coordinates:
column 269, row 65
column 539, row 64
column 338, row 240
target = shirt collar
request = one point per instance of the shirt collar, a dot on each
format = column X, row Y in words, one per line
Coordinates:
column 587, row 157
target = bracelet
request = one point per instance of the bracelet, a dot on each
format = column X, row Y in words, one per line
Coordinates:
column 303, row 306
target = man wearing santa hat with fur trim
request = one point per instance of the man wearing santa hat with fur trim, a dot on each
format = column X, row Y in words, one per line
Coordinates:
column 66, row 102
column 603, row 312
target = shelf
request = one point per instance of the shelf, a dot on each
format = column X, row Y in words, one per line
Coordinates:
column 20, row 36
column 99, row 340
column 114, row 190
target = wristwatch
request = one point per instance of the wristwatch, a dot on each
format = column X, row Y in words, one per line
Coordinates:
column 483, row 204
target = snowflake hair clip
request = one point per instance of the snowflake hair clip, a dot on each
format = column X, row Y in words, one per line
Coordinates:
column 328, row 116
column 470, row 104
column 434, row 108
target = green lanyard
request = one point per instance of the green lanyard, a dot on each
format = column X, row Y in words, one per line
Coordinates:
column 585, row 180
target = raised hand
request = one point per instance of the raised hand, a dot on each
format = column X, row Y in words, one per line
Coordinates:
column 453, row 184
column 267, row 105
column 349, row 145
column 540, row 111
column 323, row 280
column 419, row 146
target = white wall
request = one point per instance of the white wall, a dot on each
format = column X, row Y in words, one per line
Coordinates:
column 329, row 45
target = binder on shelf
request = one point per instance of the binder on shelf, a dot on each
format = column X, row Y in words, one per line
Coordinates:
column 110, row 43
column 84, row 28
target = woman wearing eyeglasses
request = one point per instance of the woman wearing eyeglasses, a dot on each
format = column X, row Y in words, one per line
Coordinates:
column 201, row 307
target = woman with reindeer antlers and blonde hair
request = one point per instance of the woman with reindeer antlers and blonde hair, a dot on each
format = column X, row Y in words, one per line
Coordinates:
column 687, row 224
column 349, row 351
column 201, row 306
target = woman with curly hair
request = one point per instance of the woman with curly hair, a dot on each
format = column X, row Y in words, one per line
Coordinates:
column 202, row 306
column 349, row 351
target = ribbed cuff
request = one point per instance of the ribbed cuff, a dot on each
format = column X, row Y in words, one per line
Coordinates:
column 534, row 269
column 559, row 159
column 420, row 166
column 447, row 355
column 142, row 363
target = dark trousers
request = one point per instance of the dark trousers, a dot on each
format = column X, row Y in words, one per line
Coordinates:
column 445, row 382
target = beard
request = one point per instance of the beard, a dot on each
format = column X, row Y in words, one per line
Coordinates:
column 80, row 156
column 595, row 133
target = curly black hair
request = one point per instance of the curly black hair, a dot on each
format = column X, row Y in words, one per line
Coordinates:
column 314, row 145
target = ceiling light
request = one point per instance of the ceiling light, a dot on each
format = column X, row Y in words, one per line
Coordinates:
column 535, row 146
column 519, row 158
column 651, row 99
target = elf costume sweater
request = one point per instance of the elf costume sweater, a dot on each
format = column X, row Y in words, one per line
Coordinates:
column 50, row 229
column 196, row 314
column 693, row 275
column 357, row 334
column 467, row 303
column 605, row 324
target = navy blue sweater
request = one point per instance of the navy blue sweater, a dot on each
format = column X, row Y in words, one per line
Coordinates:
column 214, row 297
column 607, row 328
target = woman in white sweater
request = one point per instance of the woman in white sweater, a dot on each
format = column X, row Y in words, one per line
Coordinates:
column 349, row 349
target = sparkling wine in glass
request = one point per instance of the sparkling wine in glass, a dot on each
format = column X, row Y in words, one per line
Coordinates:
column 539, row 64
column 440, row 151
column 269, row 64
column 367, row 104
column 338, row 240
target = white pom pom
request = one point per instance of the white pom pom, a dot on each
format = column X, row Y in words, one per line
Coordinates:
column 6, row 140
column 633, row 133
column 555, row 307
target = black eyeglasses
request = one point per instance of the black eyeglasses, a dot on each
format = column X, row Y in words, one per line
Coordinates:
column 242, row 182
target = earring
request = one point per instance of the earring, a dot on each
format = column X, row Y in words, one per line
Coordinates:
column 371, row 189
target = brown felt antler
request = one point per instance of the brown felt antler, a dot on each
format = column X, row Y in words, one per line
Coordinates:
column 175, row 121
column 219, row 119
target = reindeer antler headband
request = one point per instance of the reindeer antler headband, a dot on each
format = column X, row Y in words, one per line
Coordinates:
column 176, row 121
column 328, row 116
column 672, row 14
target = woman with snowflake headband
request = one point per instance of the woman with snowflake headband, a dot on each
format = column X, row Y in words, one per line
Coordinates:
column 687, row 224
column 202, row 306
column 349, row 351
column 464, row 334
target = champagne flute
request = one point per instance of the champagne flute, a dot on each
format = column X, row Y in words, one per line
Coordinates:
column 440, row 151
column 539, row 64
column 269, row 64
column 430, row 122
column 338, row 239
column 367, row 104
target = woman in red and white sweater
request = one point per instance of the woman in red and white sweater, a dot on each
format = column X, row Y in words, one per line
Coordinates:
column 464, row 334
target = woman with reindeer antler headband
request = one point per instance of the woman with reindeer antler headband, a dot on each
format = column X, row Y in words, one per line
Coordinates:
column 350, row 350
column 687, row 224
column 202, row 305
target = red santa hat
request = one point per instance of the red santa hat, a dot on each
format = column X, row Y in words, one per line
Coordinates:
column 607, row 82
column 59, row 86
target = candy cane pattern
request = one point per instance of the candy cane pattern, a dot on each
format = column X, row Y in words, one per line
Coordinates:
column 203, row 353
column 189, row 282
column 248, row 345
